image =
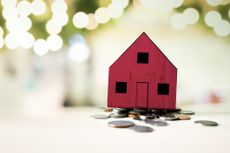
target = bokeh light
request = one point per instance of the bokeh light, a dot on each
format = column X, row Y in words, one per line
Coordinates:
column 24, row 23
column 78, row 52
column 214, row 2
column 26, row 40
column 60, row 19
column 191, row 15
column 9, row 13
column 92, row 22
column 10, row 25
column 40, row 47
column 114, row 12
column 53, row 28
column 212, row 18
column 11, row 41
column 101, row 15
column 38, row 7
column 222, row 28
column 20, row 24
column 55, row 42
column 80, row 20
column 24, row 8
column 120, row 4
column 175, row 3
column 59, row 6
column 180, row 20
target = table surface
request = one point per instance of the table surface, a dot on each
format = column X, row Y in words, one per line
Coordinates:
column 73, row 130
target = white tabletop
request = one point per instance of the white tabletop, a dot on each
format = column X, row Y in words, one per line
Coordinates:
column 74, row 131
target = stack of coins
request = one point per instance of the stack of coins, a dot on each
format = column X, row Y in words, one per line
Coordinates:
column 155, row 117
column 134, row 115
column 120, row 113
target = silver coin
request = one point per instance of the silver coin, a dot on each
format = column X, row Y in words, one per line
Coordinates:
column 121, row 124
column 169, row 117
column 156, row 123
column 147, row 116
column 141, row 111
column 100, row 116
column 118, row 112
column 133, row 112
column 121, row 110
column 142, row 129
column 117, row 115
column 207, row 123
column 185, row 112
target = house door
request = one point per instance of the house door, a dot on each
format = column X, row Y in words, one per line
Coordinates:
column 142, row 94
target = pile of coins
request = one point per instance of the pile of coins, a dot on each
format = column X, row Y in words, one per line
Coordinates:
column 154, row 117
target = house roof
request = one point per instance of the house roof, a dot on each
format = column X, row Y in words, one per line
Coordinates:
column 144, row 34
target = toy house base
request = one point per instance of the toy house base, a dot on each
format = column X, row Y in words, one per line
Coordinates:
column 142, row 77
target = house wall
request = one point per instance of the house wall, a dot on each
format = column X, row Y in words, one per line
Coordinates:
column 158, row 70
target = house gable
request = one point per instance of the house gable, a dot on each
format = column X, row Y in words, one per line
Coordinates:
column 143, row 44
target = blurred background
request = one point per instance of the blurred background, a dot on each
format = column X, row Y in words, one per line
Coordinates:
column 56, row 53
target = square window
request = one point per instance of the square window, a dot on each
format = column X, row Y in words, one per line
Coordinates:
column 121, row 87
column 163, row 89
column 143, row 57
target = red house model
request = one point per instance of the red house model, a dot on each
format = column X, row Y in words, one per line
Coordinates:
column 142, row 77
